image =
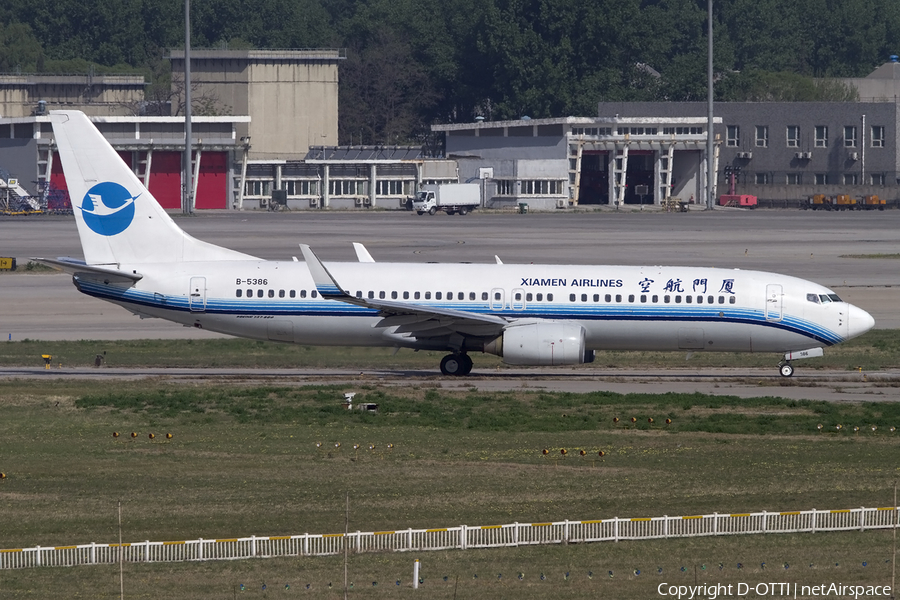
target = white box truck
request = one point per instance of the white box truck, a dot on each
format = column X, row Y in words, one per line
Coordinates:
column 448, row 197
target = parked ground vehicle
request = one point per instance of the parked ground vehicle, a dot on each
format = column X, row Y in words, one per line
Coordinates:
column 872, row 202
column 738, row 200
column 843, row 202
column 448, row 197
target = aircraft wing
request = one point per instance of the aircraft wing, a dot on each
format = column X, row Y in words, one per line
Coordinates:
column 412, row 319
column 79, row 267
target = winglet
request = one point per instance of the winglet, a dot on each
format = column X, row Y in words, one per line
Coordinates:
column 325, row 283
column 362, row 255
column 497, row 258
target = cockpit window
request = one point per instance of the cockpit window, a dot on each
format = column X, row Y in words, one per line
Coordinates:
column 824, row 298
column 813, row 298
column 834, row 298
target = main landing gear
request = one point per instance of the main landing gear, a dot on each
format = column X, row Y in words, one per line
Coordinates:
column 785, row 368
column 456, row 364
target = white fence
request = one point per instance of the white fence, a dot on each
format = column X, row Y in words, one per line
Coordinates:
column 462, row 537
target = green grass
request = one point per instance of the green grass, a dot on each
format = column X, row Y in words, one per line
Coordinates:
column 244, row 461
column 878, row 349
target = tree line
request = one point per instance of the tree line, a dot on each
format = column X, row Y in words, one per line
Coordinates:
column 412, row 63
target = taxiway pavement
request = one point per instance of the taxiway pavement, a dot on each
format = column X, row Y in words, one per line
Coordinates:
column 813, row 245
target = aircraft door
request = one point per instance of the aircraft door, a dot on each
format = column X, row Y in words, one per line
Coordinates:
column 498, row 299
column 774, row 309
column 197, row 294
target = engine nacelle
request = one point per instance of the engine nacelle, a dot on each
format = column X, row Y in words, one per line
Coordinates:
column 541, row 343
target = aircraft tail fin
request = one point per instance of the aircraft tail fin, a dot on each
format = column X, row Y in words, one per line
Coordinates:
column 119, row 220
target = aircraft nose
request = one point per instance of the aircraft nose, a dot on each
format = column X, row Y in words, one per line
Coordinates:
column 860, row 322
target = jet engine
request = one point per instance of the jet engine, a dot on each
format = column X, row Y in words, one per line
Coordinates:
column 541, row 343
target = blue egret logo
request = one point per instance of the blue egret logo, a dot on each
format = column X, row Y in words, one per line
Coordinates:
column 108, row 208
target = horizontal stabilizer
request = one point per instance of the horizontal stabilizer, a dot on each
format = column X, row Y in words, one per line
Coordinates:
column 78, row 267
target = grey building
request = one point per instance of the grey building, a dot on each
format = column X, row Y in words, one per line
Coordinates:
column 574, row 161
column 790, row 150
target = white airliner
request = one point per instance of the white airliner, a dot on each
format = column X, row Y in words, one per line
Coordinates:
column 137, row 257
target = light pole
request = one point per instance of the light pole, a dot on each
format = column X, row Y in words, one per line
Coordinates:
column 710, row 142
column 187, row 200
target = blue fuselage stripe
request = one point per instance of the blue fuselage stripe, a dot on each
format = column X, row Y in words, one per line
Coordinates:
column 328, row 308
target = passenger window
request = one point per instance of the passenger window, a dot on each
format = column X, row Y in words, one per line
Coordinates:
column 371, row 295
column 528, row 297
column 732, row 300
column 314, row 294
column 416, row 296
column 688, row 299
column 406, row 295
column 814, row 298
column 596, row 297
column 249, row 293
column 428, row 295
column 518, row 295
column 618, row 297
column 571, row 297
column 654, row 299
column 709, row 299
column 608, row 298
column 271, row 293
column 496, row 295
column 381, row 295
column 643, row 297
column 666, row 299
column 677, row 299
column 281, row 293
column 540, row 297
column 549, row 297
column 471, row 295
column 239, row 293
column 631, row 297
column 293, row 293
column 438, row 296
column 484, row 295
column 393, row 295
column 584, row 297
column 449, row 295
column 699, row 299
column 259, row 293
column 721, row 299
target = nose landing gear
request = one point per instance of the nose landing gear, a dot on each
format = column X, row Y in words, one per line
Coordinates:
column 456, row 364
